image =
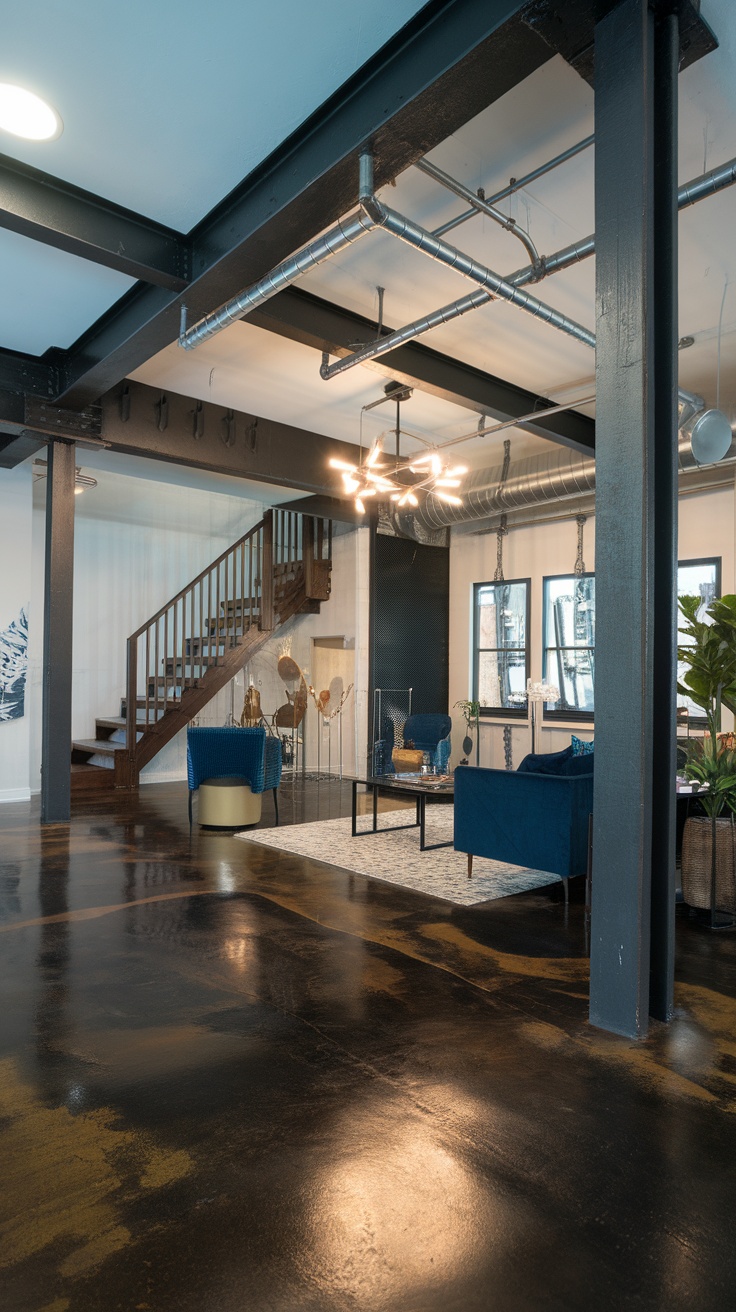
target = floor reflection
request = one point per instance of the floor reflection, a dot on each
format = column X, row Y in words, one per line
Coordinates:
column 52, row 1022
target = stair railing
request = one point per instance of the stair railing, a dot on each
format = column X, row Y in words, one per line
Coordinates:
column 173, row 650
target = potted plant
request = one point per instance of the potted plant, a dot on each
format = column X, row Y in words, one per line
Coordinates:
column 710, row 681
column 471, row 716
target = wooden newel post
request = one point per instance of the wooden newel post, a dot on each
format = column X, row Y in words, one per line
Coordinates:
column 131, row 709
column 308, row 551
column 267, row 573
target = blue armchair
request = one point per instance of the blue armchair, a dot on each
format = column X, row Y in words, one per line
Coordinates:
column 429, row 732
column 527, row 817
column 248, row 754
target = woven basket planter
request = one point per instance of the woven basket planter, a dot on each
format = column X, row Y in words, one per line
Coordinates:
column 696, row 863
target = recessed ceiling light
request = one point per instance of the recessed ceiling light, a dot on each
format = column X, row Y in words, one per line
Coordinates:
column 27, row 115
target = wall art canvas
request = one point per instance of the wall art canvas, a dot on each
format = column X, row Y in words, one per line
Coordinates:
column 13, row 666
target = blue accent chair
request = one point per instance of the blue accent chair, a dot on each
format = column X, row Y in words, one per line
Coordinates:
column 534, row 817
column 428, row 731
column 248, row 754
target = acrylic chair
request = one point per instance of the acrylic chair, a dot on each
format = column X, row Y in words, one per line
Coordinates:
column 427, row 730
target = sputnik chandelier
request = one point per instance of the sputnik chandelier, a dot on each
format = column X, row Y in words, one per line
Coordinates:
column 401, row 481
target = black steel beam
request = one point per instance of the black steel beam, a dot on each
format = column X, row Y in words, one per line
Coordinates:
column 664, row 655
column 60, row 215
column 341, row 509
column 636, row 326
column 27, row 373
column 308, row 319
column 56, row 732
column 28, row 422
column 143, row 421
column 568, row 31
column 17, row 447
column 453, row 59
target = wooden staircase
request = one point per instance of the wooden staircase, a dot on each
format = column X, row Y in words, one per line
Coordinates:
column 191, row 648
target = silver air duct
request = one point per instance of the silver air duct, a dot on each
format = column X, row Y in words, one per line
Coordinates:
column 535, row 481
column 494, row 286
column 344, row 233
column 709, row 435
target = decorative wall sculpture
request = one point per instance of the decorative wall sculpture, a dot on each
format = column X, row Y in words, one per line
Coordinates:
column 13, row 666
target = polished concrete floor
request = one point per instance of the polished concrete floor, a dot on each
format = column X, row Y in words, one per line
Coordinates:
column 233, row 1080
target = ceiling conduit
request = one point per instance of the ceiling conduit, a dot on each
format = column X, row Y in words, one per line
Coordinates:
column 479, row 203
column 517, row 184
column 495, row 287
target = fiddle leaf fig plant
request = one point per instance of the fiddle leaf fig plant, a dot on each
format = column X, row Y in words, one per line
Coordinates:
column 710, row 681
column 709, row 657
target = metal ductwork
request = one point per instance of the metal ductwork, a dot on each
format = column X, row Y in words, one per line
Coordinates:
column 343, row 234
column 422, row 240
column 373, row 214
column 534, row 481
column 494, row 286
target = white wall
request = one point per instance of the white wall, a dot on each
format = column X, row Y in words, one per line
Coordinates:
column 125, row 568
column 15, row 593
column 706, row 528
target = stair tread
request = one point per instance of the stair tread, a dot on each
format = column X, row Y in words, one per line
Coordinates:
column 184, row 679
column 102, row 746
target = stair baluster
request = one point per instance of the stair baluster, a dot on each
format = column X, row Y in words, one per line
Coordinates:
column 199, row 639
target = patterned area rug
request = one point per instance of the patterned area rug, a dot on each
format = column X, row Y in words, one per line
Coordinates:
column 395, row 857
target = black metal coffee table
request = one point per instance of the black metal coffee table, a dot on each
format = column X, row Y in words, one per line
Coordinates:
column 419, row 787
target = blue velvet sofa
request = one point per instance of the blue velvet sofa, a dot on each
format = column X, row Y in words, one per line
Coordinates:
column 536, row 816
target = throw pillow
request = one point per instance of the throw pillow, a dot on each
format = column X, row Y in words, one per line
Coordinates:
column 545, row 763
column 580, row 747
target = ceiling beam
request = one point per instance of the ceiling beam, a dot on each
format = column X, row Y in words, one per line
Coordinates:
column 27, row 373
column 451, row 61
column 17, row 447
column 144, row 421
column 138, row 420
column 48, row 210
column 307, row 319
column 28, row 423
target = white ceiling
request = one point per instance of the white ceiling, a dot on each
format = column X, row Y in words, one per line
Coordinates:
column 168, row 104
column 153, row 493
column 49, row 298
column 166, row 107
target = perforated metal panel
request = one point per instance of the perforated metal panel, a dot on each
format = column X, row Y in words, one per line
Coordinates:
column 410, row 609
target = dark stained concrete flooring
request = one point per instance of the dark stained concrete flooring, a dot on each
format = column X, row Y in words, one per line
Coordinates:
column 235, row 1081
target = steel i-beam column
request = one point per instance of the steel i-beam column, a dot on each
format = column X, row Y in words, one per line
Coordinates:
column 664, row 721
column 636, row 557
column 57, row 635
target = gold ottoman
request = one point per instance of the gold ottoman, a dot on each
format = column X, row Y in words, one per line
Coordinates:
column 227, row 804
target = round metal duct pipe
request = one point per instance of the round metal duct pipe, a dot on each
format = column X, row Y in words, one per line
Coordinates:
column 710, row 436
column 563, row 475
